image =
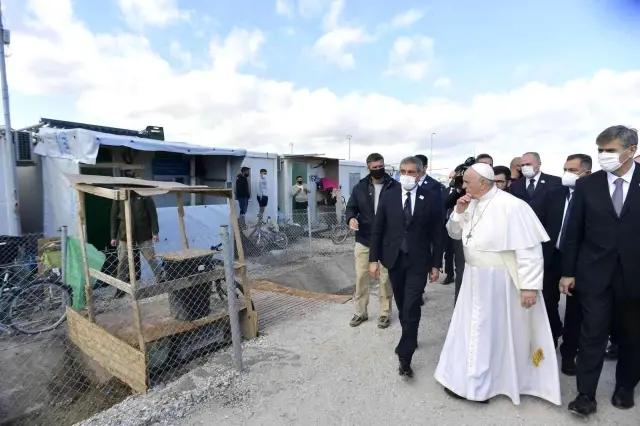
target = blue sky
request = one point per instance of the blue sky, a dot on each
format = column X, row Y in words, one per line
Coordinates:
column 492, row 47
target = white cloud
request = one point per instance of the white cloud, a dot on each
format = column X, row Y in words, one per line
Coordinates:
column 442, row 83
column 178, row 52
column 407, row 18
column 338, row 37
column 156, row 13
column 284, row 8
column 118, row 80
column 411, row 57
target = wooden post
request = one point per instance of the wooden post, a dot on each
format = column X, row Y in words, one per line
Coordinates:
column 183, row 229
column 137, row 318
column 82, row 233
column 250, row 321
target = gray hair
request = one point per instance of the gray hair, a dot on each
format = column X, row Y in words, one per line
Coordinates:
column 627, row 135
column 535, row 155
column 412, row 160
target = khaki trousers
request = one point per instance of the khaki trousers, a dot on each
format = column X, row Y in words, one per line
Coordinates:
column 146, row 250
column 363, row 280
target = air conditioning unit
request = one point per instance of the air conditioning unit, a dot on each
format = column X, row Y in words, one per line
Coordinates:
column 23, row 143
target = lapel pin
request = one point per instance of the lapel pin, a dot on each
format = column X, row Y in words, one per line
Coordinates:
column 541, row 181
column 421, row 197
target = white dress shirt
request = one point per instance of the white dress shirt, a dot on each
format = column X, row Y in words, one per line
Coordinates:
column 412, row 194
column 611, row 178
column 564, row 214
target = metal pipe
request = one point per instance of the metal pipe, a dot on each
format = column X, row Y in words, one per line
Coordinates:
column 9, row 168
column 234, row 318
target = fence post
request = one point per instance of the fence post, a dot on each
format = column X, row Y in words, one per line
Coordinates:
column 63, row 256
column 234, row 318
column 309, row 232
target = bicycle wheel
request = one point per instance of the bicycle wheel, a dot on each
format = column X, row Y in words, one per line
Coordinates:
column 221, row 289
column 339, row 234
column 39, row 307
column 280, row 240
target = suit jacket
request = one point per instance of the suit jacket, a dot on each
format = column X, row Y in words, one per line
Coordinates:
column 551, row 216
column 424, row 233
column 598, row 241
column 547, row 182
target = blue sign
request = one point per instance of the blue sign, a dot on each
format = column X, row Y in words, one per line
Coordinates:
column 171, row 165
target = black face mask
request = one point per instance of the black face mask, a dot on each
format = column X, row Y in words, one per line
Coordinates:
column 299, row 182
column 246, row 174
column 377, row 173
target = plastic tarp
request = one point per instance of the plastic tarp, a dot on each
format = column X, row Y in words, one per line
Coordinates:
column 202, row 224
column 75, row 269
column 82, row 145
column 60, row 200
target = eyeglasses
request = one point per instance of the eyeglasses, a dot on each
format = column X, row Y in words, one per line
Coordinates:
column 500, row 182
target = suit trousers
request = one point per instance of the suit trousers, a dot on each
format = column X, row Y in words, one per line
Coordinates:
column 408, row 282
column 361, row 296
column 146, row 250
column 448, row 256
column 458, row 252
column 597, row 315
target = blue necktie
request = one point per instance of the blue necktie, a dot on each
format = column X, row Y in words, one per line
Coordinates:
column 563, row 231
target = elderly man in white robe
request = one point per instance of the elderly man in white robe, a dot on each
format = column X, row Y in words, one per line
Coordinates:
column 499, row 340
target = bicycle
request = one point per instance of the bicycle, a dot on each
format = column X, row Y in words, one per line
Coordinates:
column 265, row 237
column 341, row 231
column 220, row 284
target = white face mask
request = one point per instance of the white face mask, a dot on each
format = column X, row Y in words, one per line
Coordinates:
column 528, row 172
column 609, row 161
column 569, row 179
column 408, row 182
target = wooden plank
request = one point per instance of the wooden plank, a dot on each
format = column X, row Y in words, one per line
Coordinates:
column 112, row 281
column 183, row 230
column 265, row 285
column 82, row 233
column 111, row 353
column 113, row 194
column 137, row 320
column 178, row 284
column 180, row 255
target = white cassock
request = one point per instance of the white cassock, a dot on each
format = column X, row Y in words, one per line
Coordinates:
column 490, row 346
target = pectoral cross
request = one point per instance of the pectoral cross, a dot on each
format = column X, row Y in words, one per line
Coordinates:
column 469, row 236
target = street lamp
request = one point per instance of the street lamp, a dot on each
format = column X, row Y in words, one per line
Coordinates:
column 431, row 155
column 349, row 138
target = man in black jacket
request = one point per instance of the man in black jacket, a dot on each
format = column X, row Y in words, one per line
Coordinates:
column 555, row 215
column 407, row 239
column 243, row 194
column 360, row 215
column 600, row 260
column 534, row 185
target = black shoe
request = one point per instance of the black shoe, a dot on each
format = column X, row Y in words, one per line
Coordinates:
column 623, row 399
column 612, row 352
column 448, row 280
column 404, row 368
column 568, row 367
column 583, row 405
column 454, row 395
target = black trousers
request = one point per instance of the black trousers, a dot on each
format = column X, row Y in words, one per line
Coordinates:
column 449, row 255
column 408, row 282
column 570, row 330
column 458, row 253
column 598, row 310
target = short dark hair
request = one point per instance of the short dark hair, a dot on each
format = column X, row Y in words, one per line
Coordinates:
column 627, row 135
column 423, row 159
column 298, row 177
column 245, row 169
column 373, row 157
column 502, row 170
column 483, row 156
column 263, row 170
column 585, row 160
column 413, row 160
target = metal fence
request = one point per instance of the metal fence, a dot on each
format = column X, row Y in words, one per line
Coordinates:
column 68, row 351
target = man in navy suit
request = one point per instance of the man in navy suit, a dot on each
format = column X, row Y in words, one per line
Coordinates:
column 555, row 214
column 600, row 261
column 534, row 185
column 407, row 239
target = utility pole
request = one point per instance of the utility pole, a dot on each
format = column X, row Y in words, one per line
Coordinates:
column 349, row 138
column 431, row 155
column 8, row 152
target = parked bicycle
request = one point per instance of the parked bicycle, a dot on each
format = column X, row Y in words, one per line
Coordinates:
column 341, row 231
column 220, row 284
column 265, row 237
column 31, row 305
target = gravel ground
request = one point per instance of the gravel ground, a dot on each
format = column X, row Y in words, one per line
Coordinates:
column 319, row 371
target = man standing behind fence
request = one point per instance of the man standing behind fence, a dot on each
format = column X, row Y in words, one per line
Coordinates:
column 360, row 214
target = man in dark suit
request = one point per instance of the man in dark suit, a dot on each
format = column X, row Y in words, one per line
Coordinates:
column 407, row 239
column 600, row 261
column 555, row 214
column 534, row 185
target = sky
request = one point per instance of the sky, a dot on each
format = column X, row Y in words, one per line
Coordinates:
column 497, row 76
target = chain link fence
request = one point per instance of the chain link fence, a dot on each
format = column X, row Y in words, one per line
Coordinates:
column 69, row 351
